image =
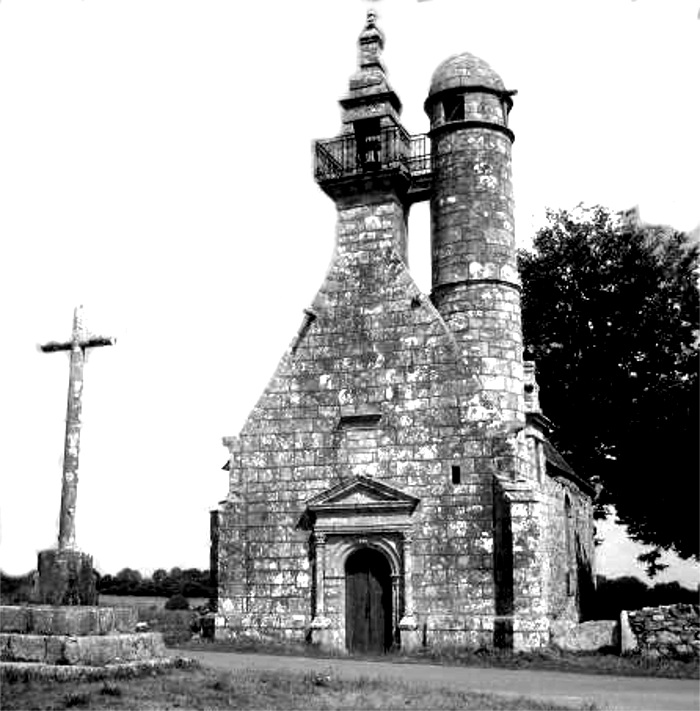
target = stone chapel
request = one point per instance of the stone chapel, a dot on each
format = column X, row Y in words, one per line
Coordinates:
column 394, row 486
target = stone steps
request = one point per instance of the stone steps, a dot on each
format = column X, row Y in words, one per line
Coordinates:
column 79, row 636
column 91, row 650
column 62, row 620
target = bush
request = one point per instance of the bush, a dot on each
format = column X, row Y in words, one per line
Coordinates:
column 177, row 602
column 174, row 625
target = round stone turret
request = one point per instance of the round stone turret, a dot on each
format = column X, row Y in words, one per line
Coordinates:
column 474, row 271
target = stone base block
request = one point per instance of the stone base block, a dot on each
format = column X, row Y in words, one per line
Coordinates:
column 589, row 636
column 65, row 578
column 409, row 633
column 91, row 650
column 71, row 620
column 628, row 640
column 321, row 634
column 15, row 618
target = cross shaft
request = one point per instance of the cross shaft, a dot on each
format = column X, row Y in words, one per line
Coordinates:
column 77, row 346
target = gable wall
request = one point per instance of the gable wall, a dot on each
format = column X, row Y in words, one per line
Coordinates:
column 376, row 345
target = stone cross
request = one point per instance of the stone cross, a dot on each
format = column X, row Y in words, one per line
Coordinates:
column 77, row 345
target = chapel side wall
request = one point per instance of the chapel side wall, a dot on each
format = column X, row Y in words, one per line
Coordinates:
column 569, row 555
column 585, row 554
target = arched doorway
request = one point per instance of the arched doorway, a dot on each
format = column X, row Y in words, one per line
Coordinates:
column 368, row 611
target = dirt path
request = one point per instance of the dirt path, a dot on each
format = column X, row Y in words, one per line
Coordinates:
column 608, row 692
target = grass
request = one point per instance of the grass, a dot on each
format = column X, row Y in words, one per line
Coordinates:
column 200, row 688
column 549, row 659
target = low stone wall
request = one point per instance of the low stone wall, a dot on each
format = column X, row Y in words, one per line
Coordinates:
column 667, row 631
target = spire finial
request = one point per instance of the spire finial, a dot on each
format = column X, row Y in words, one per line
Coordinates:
column 371, row 43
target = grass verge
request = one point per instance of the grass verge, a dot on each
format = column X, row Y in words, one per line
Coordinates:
column 200, row 688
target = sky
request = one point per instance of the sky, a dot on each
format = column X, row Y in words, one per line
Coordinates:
column 156, row 167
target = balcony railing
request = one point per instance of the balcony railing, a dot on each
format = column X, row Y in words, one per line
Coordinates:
column 419, row 162
column 351, row 155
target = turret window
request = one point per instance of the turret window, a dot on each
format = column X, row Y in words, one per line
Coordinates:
column 453, row 108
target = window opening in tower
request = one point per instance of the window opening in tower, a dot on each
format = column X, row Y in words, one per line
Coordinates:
column 453, row 108
column 369, row 143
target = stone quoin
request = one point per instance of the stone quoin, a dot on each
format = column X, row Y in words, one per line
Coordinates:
column 394, row 486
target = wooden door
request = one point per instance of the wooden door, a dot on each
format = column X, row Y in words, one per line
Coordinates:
column 368, row 612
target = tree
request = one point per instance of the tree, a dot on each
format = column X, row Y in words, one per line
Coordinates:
column 127, row 581
column 610, row 316
column 195, row 583
column 190, row 583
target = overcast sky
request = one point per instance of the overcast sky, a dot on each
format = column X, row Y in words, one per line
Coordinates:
column 156, row 166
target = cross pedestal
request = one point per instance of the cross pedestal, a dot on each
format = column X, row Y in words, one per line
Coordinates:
column 66, row 577
column 66, row 574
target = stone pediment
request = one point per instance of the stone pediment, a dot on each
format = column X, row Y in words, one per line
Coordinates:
column 361, row 494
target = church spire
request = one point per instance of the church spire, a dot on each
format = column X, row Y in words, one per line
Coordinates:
column 369, row 93
column 371, row 44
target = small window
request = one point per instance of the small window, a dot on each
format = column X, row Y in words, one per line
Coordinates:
column 359, row 422
column 453, row 108
column 456, row 474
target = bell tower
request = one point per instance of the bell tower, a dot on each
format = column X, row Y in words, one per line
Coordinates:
column 371, row 165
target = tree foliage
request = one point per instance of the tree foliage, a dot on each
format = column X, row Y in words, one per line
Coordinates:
column 629, row 593
column 610, row 316
column 188, row 583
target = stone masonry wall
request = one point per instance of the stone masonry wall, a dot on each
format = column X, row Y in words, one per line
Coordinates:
column 543, row 573
column 567, row 577
column 666, row 631
column 375, row 345
column 475, row 276
column 472, row 208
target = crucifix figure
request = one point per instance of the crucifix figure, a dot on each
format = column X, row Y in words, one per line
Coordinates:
column 79, row 342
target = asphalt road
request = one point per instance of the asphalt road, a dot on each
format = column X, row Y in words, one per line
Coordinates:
column 608, row 692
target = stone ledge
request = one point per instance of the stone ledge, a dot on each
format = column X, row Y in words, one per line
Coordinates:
column 94, row 650
column 27, row 671
column 67, row 620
